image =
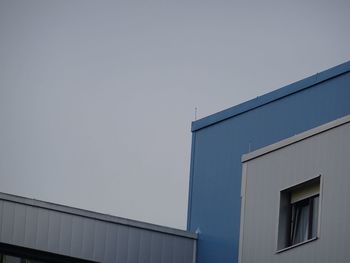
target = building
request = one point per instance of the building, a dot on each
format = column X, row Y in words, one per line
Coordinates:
column 36, row 231
column 220, row 140
column 295, row 197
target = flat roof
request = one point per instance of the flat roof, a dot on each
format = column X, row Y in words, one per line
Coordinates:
column 95, row 215
column 296, row 138
column 271, row 96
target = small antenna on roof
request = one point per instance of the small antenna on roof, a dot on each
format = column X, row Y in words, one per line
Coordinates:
column 195, row 113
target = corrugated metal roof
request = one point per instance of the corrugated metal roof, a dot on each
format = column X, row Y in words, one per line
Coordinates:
column 87, row 235
column 95, row 215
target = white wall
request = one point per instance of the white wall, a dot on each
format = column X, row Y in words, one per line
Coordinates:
column 326, row 154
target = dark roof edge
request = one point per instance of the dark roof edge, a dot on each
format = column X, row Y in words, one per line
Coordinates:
column 271, row 96
column 95, row 215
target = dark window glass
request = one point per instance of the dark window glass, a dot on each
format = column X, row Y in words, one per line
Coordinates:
column 304, row 218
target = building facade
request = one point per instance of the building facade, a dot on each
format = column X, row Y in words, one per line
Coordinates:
column 295, row 197
column 36, row 231
column 220, row 140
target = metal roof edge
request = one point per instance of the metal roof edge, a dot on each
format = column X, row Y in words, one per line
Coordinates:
column 271, row 96
column 95, row 215
column 296, row 138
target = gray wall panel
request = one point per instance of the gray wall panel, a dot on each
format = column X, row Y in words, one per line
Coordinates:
column 133, row 245
column 167, row 252
column 43, row 229
column 65, row 234
column 77, row 236
column 145, row 246
column 54, row 232
column 88, row 238
column 7, row 224
column 111, row 243
column 31, row 226
column 19, row 225
column 326, row 154
column 122, row 248
column 188, row 251
column 1, row 216
column 156, row 248
column 87, row 235
column 177, row 257
column 100, row 241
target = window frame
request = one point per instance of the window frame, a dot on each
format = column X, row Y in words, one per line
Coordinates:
column 309, row 201
column 285, row 216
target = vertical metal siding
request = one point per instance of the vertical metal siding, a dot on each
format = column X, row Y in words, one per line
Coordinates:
column 77, row 236
column 31, row 226
column 88, row 238
column 7, row 222
column 326, row 154
column 111, row 243
column 145, row 249
column 100, row 241
column 65, row 240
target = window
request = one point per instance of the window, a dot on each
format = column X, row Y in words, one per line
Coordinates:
column 304, row 220
column 298, row 216
column 13, row 259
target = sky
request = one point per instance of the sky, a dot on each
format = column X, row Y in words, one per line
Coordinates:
column 97, row 97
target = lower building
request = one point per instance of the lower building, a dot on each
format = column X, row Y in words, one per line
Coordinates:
column 33, row 231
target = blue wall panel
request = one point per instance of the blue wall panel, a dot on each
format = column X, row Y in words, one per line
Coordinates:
column 218, row 144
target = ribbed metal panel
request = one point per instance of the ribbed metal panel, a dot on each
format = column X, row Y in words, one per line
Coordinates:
column 324, row 154
column 86, row 235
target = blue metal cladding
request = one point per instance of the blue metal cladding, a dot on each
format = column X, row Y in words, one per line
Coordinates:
column 219, row 141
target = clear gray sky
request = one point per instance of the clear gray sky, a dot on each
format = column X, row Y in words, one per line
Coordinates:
column 97, row 97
